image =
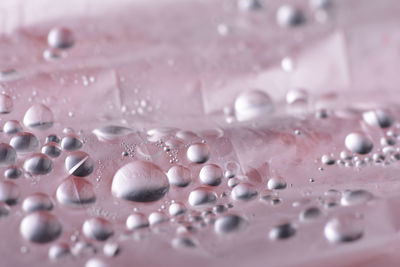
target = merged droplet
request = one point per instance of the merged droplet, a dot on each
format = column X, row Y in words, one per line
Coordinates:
column 39, row 117
column 244, row 192
column 38, row 164
column 252, row 104
column 282, row 231
column 75, row 192
column 79, row 164
column 7, row 155
column 9, row 192
column 97, row 228
column 344, row 228
column 355, row 197
column 198, row 153
column 60, row 38
column 71, row 143
column 211, row 174
column 202, row 196
column 12, row 127
column 229, row 223
column 111, row 132
column 140, row 181
column 136, row 220
column 179, row 176
column 40, row 227
column 24, row 142
column 358, row 143
column 37, row 201
column 378, row 118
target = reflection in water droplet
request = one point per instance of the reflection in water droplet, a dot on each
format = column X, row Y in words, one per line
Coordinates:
column 7, row 155
column 111, row 132
column 229, row 223
column 136, row 220
column 140, row 181
column 60, row 38
column 344, row 228
column 71, row 142
column 38, row 117
column 75, row 192
column 157, row 217
column 12, row 172
column 97, row 228
column 59, row 251
column 24, row 142
column 38, row 164
column 179, row 176
column 358, row 143
column 355, row 197
column 211, row 174
column 198, row 153
column 37, row 201
column 252, row 104
column 12, row 127
column 282, row 231
column 244, row 192
column 40, row 227
column 9, row 192
column 79, row 164
column 202, row 197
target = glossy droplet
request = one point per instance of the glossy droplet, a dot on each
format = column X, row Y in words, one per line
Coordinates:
column 358, row 143
column 344, row 228
column 59, row 251
column 7, row 155
column 24, row 142
column 97, row 228
column 355, row 197
column 244, row 192
column 9, row 192
column 136, row 220
column 378, row 118
column 157, row 217
column 211, row 174
column 38, row 164
column 229, row 223
column 12, row 172
column 6, row 104
column 282, row 231
column 252, row 104
column 12, row 127
column 79, row 164
column 51, row 149
column 276, row 183
column 71, row 143
column 140, row 181
column 111, row 132
column 202, row 197
column 40, row 227
column 198, row 153
column 179, row 176
column 289, row 16
column 176, row 209
column 310, row 214
column 37, row 201
column 39, row 117
column 60, row 38
column 75, row 192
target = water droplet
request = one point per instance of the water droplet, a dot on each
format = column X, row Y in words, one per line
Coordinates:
column 229, row 223
column 358, row 143
column 244, row 192
column 75, row 192
column 4, row 209
column 97, row 228
column 39, row 117
column 38, row 164
column 252, row 104
column 79, row 164
column 136, row 220
column 40, row 227
column 282, row 231
column 344, row 228
column 51, row 149
column 95, row 262
column 276, row 183
column 328, row 160
column 176, row 209
column 37, row 201
column 59, row 251
column 111, row 132
column 9, row 192
column 249, row 5
column 198, row 153
column 320, row 4
column 297, row 96
column 140, row 181
column 24, row 142
column 184, row 242
column 12, row 127
column 7, row 155
column 157, row 217
column 310, row 214
column 12, row 172
column 355, row 197
column 52, row 138
column 202, row 196
column 378, row 118
column 211, row 174
column 289, row 16
column 71, row 143
column 60, row 38
column 111, row 249
column 179, row 176
column 6, row 104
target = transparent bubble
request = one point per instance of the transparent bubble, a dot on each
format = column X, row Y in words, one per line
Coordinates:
column 111, row 249
column 176, row 209
column 355, row 197
column 310, row 214
column 39, row 117
column 282, row 231
column 59, row 251
column 378, row 118
column 244, row 192
column 79, row 164
column 40, row 227
column 52, row 138
column 12, row 172
column 276, row 183
column 157, row 217
column 38, row 164
column 344, row 228
column 111, row 132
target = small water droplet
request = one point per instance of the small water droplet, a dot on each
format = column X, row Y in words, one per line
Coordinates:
column 211, row 174
column 176, row 209
column 358, row 143
column 136, row 220
column 79, row 164
column 378, row 118
column 111, row 132
column 289, row 16
column 40, row 227
column 244, row 192
column 282, row 231
column 71, row 143
column 157, row 217
column 276, row 183
column 297, row 96
column 355, row 197
column 249, row 5
column 37, row 201
column 60, row 38
column 12, row 127
column 8, row 155
column 9, row 192
column 6, row 104
column 252, row 104
column 310, row 214
column 344, row 228
column 111, row 249
column 229, row 223
column 59, row 251
column 24, row 142
column 179, row 176
column 95, row 262
column 202, row 196
column 51, row 149
column 97, row 228
column 184, row 242
column 198, row 153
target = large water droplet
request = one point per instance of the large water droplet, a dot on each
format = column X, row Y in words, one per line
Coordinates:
column 244, row 192
column 40, row 227
column 378, row 118
column 136, row 220
column 111, row 132
column 37, row 201
column 198, row 153
column 60, row 38
column 79, row 164
column 75, row 192
column 344, row 228
column 252, row 104
column 282, row 231
column 97, row 228
column 24, row 142
column 7, row 155
column 9, row 192
column 355, row 197
column 179, row 176
column 358, row 143
column 202, row 197
column 140, row 181
column 38, row 164
column 39, row 117
column 211, row 174
column 229, row 223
